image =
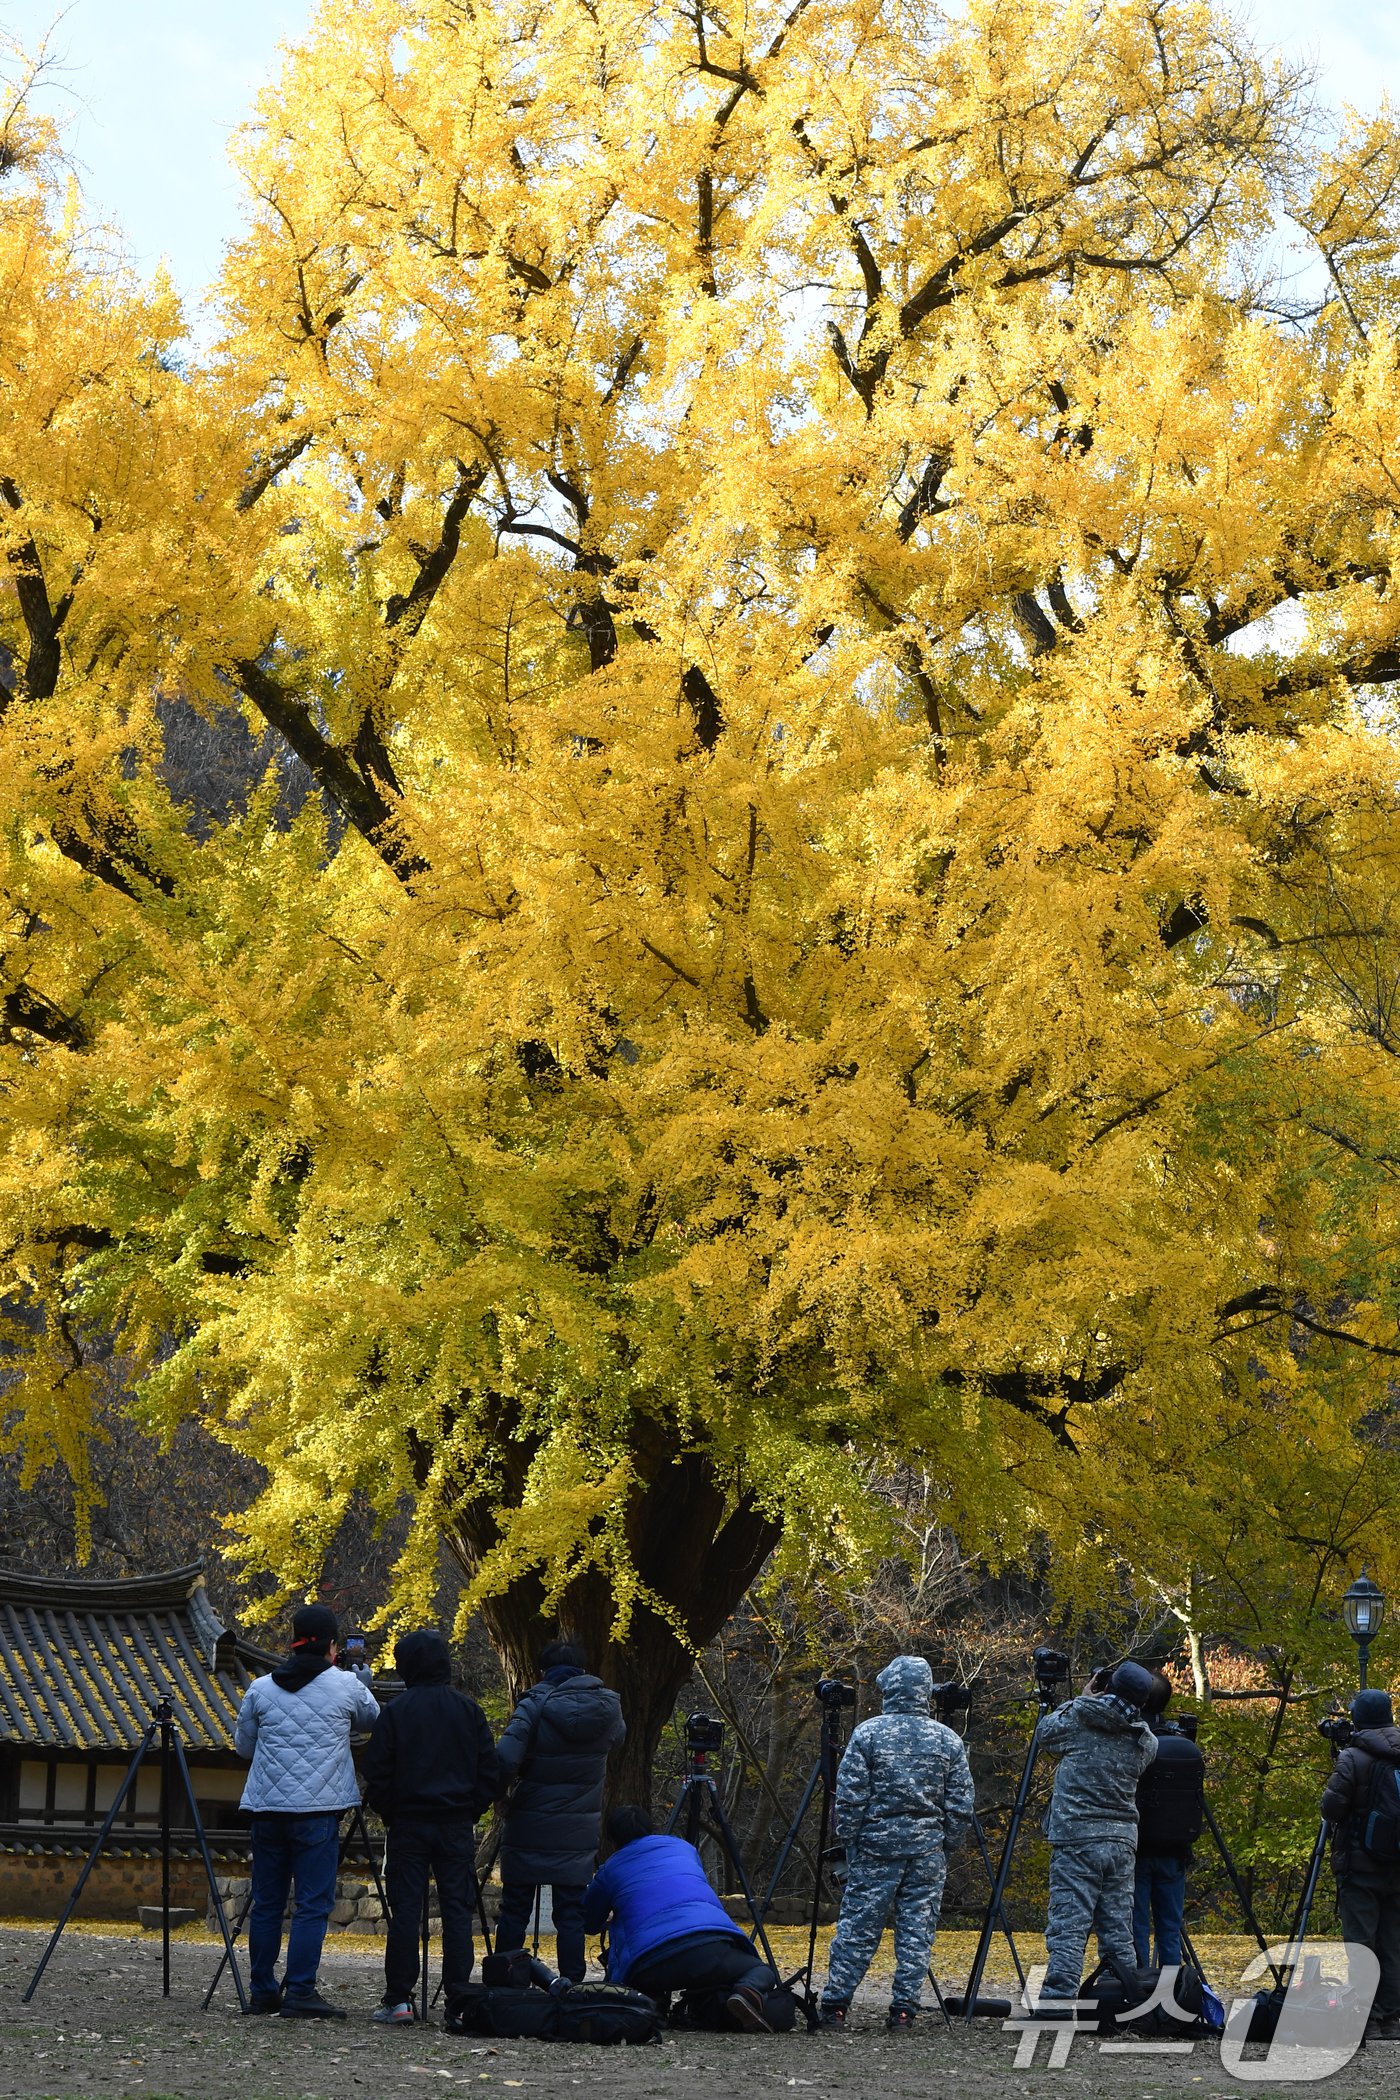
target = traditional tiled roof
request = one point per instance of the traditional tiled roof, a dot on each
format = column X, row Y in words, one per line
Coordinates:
column 83, row 1665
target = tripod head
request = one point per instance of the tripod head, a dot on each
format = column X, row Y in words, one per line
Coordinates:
column 1051, row 1669
column 951, row 1699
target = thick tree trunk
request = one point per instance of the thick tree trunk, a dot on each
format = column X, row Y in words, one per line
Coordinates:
column 695, row 1548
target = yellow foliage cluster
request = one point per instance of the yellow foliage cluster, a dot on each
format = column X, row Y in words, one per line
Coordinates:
column 819, row 877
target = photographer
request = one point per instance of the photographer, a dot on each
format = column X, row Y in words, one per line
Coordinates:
column 1171, row 1813
column 553, row 1755
column 904, row 1800
column 296, row 1726
column 668, row 1930
column 1104, row 1745
column 1362, row 1803
column 430, row 1770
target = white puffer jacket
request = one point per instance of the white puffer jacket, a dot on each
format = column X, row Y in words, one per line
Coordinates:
column 300, row 1743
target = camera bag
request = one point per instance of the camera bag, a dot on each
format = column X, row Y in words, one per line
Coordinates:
column 585, row 2012
column 1114, row 2006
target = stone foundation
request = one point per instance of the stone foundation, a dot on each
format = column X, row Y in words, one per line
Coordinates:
column 357, row 1907
column 37, row 1885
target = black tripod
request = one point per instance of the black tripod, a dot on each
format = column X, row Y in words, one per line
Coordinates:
column 699, row 1803
column 172, row 1760
column 355, row 1828
column 1049, row 1673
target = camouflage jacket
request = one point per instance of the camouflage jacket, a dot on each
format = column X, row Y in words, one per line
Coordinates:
column 904, row 1783
column 1104, row 1746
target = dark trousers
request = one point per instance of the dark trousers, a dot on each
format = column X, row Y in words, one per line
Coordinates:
column 1159, row 1904
column 712, row 1962
column 1370, row 1915
column 301, row 1852
column 517, row 1902
column 416, row 1848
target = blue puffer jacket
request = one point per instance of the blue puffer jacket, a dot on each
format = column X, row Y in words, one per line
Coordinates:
column 655, row 1891
column 300, row 1743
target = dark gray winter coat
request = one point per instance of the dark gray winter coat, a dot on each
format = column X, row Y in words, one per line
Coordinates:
column 1348, row 1797
column 557, row 1742
column 1104, row 1747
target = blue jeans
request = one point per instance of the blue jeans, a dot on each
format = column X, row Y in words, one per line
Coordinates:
column 1159, row 1902
column 301, row 1852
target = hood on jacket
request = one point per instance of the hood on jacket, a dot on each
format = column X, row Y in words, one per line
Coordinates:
column 1106, row 1711
column 423, row 1657
column 1378, row 1742
column 906, row 1685
column 581, row 1709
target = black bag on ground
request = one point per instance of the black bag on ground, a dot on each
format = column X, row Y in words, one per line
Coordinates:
column 585, row 2012
column 1113, row 2006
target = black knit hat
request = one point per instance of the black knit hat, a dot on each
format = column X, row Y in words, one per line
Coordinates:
column 1131, row 1683
column 314, row 1627
column 1372, row 1710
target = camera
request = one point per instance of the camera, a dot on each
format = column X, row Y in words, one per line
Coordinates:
column 1337, row 1730
column 703, row 1733
column 1187, row 1725
column 1051, row 1668
column 832, row 1692
column 950, row 1698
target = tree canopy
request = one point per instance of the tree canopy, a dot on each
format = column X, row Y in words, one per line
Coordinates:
column 836, row 628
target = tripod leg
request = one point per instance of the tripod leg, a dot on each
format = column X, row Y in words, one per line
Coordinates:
column 90, row 1862
column 1002, row 1920
column 785, row 1849
column 1241, row 1893
column 165, row 1731
column 356, row 1828
column 1304, row 1911
column 234, row 1934
column 984, row 1939
column 423, row 1973
column 809, row 1995
column 731, row 1848
column 197, row 1824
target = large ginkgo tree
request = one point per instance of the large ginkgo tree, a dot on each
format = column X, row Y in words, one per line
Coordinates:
column 834, row 610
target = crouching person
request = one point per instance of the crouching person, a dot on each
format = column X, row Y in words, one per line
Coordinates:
column 295, row 1725
column 430, row 1772
column 1104, row 1745
column 667, row 1929
column 903, row 1801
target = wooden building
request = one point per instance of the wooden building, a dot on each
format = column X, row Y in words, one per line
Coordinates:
column 83, row 1667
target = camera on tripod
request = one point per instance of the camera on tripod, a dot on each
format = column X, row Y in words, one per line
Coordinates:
column 1337, row 1729
column 950, row 1698
column 704, row 1736
column 1051, row 1667
column 833, row 1693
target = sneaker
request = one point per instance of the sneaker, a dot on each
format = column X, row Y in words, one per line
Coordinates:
column 1390, row 2028
column 264, row 2002
column 832, row 2018
column 745, row 2008
column 394, row 2012
column 312, row 2007
column 901, row 2019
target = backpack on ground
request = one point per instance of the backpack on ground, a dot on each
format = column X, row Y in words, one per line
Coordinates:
column 1378, row 1823
column 584, row 2012
column 1113, row 2006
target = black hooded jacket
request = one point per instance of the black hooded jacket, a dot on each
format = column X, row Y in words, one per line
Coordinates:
column 431, row 1752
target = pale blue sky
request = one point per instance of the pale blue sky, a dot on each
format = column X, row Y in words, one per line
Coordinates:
column 154, row 88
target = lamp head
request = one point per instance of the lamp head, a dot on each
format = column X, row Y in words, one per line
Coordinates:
column 1363, row 1608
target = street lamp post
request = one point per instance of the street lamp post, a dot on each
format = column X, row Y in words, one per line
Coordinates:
column 1363, row 1608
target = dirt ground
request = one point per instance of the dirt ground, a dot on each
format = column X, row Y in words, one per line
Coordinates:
column 99, row 2026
